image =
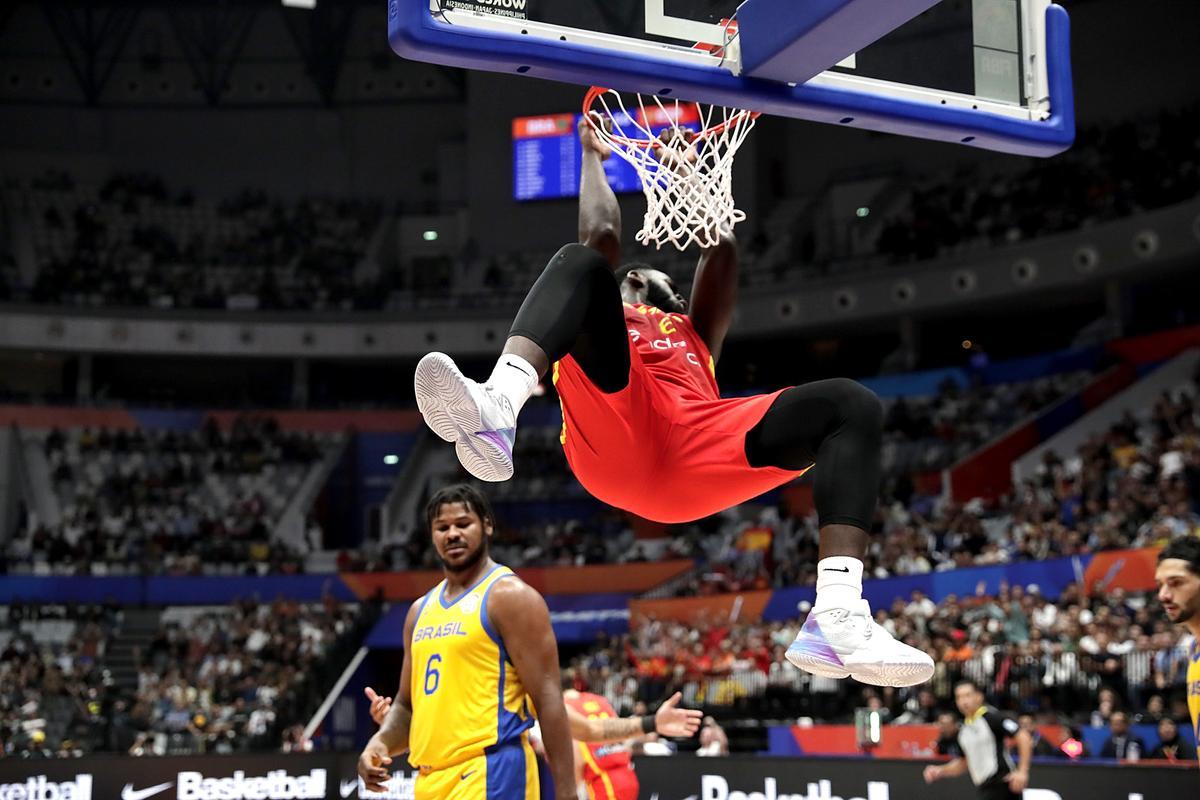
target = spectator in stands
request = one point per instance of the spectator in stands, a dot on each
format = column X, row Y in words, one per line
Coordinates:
column 947, row 741
column 713, row 741
column 921, row 709
column 1171, row 746
column 227, row 682
column 1122, row 743
column 1041, row 747
column 170, row 502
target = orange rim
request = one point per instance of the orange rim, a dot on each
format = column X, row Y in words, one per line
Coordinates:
column 594, row 92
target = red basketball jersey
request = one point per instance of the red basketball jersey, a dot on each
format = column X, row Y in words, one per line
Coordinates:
column 672, row 351
column 600, row 761
column 665, row 447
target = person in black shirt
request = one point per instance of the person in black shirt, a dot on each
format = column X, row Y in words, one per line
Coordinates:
column 1170, row 746
column 1040, row 746
column 1122, row 744
column 947, row 742
column 985, row 756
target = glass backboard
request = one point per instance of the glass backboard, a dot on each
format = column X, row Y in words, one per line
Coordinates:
column 987, row 73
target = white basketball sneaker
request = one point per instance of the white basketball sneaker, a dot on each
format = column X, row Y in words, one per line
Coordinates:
column 475, row 417
column 841, row 642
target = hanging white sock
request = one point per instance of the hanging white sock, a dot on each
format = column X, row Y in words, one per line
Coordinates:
column 839, row 582
column 514, row 378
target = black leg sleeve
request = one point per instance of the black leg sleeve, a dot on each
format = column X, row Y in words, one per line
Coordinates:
column 575, row 307
column 837, row 424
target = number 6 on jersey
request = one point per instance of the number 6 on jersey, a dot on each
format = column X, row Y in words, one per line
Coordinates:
column 432, row 676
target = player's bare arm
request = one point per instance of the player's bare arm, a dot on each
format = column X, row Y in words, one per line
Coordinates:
column 935, row 772
column 1019, row 778
column 392, row 737
column 714, row 293
column 714, row 286
column 522, row 620
column 669, row 720
column 599, row 213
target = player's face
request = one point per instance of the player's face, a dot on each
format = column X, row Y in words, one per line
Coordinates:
column 662, row 293
column 459, row 537
column 1178, row 590
column 968, row 699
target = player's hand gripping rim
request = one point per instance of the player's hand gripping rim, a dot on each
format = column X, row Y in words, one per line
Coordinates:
column 589, row 139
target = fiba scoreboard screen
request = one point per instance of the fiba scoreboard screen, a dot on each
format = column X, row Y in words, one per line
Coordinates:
column 547, row 153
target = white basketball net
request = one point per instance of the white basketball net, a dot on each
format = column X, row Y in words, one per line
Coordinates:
column 688, row 184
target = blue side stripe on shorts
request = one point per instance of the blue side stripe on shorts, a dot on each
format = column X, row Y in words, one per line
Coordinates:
column 506, row 773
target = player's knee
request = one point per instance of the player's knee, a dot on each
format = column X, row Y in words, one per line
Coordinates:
column 579, row 260
column 861, row 406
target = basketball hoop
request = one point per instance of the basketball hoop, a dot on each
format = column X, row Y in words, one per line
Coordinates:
column 683, row 154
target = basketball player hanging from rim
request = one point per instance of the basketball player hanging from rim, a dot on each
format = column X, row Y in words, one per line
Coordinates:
column 645, row 428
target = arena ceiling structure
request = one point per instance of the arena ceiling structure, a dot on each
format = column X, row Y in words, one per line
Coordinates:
column 247, row 53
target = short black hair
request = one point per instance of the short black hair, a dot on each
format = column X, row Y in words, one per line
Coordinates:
column 1186, row 548
column 969, row 682
column 463, row 493
column 623, row 271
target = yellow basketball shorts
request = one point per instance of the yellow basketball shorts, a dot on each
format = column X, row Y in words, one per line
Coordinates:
column 507, row 773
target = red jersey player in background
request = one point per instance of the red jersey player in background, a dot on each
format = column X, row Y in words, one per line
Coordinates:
column 606, row 769
column 645, row 428
column 603, row 761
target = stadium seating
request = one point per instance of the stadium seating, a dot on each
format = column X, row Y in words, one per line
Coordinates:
column 203, row 679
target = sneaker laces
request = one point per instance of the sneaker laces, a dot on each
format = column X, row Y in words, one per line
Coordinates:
column 842, row 615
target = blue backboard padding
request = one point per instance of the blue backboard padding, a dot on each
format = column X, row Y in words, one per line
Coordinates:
column 783, row 40
column 415, row 34
column 1051, row 576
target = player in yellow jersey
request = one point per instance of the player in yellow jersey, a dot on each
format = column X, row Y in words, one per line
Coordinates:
column 1178, row 579
column 480, row 661
column 593, row 729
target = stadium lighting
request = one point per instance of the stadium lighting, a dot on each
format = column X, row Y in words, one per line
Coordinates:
column 430, row 236
column 309, row 4
column 391, row 459
column 862, row 212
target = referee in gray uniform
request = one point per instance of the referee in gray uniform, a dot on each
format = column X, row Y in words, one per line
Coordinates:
column 984, row 755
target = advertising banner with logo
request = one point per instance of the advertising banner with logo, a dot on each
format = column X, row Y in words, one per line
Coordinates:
column 265, row 777
column 332, row 776
column 765, row 778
